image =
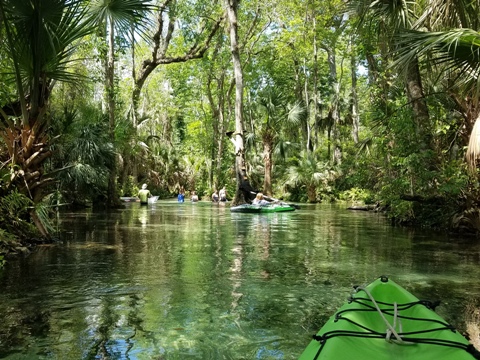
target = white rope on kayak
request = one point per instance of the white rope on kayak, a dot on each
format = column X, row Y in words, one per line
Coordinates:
column 390, row 328
column 395, row 316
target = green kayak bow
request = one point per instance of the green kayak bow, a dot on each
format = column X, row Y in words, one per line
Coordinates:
column 383, row 321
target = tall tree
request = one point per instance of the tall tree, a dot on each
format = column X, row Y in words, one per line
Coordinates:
column 166, row 17
column 118, row 17
column 161, row 53
column 336, row 25
column 354, row 111
column 218, row 89
column 240, row 170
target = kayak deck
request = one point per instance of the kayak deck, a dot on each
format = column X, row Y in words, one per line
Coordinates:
column 260, row 209
column 385, row 321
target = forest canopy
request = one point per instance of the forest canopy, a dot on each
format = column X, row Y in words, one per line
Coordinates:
column 371, row 102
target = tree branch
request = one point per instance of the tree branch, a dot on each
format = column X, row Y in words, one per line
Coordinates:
column 161, row 46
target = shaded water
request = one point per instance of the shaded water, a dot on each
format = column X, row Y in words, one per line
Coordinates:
column 194, row 281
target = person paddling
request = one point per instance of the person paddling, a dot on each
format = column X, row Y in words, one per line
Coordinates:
column 223, row 194
column 248, row 191
column 181, row 195
column 215, row 197
column 259, row 200
column 144, row 194
column 194, row 197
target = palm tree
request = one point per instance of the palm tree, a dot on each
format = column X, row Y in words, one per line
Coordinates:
column 40, row 38
column 273, row 113
column 309, row 172
column 118, row 17
column 87, row 155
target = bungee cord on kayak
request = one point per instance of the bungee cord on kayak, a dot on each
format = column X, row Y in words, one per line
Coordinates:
column 357, row 320
column 391, row 329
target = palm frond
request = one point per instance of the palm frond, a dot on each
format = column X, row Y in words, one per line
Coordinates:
column 296, row 114
column 45, row 36
column 43, row 213
column 365, row 145
column 398, row 13
column 441, row 14
column 456, row 50
column 124, row 14
column 250, row 139
column 395, row 14
column 283, row 147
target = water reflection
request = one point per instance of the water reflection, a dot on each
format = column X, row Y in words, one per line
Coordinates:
column 178, row 281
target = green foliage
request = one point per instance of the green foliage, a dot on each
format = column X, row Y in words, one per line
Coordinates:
column 357, row 195
column 130, row 187
column 14, row 205
column 467, row 221
column 123, row 14
column 307, row 170
column 7, row 242
column 401, row 212
column 179, row 131
column 84, row 153
column 44, row 212
column 14, row 217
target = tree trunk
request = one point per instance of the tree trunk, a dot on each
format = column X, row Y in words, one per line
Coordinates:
column 240, row 171
column 337, row 149
column 311, row 193
column 112, row 200
column 419, row 105
column 299, row 93
column 267, row 161
column 218, row 126
column 130, row 160
column 313, row 143
column 220, row 140
column 307, row 102
column 354, row 105
column 473, row 149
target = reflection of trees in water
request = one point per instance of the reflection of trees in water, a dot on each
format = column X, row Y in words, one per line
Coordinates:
column 236, row 270
column 113, row 324
column 262, row 234
column 211, row 277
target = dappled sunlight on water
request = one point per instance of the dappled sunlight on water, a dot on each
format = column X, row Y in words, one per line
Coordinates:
column 180, row 281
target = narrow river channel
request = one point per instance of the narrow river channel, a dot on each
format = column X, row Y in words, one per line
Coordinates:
column 194, row 281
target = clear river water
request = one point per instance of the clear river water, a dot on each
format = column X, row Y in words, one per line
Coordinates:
column 195, row 281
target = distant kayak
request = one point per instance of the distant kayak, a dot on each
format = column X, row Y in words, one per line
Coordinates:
column 383, row 321
column 151, row 199
column 258, row 209
column 129, row 199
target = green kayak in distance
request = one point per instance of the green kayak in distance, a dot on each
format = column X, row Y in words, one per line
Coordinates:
column 261, row 209
column 383, row 321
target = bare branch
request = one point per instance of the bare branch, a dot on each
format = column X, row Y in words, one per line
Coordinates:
column 160, row 48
